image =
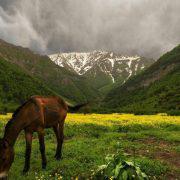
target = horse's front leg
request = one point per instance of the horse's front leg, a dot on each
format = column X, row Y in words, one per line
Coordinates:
column 42, row 148
column 28, row 136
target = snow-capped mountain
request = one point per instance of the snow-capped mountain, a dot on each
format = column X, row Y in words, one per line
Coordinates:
column 98, row 64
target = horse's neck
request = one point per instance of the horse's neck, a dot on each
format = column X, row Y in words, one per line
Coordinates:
column 13, row 129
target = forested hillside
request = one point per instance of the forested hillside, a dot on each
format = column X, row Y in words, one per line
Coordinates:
column 63, row 82
column 157, row 89
column 16, row 86
column 24, row 73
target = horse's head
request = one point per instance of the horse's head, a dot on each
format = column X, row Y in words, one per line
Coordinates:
column 6, row 158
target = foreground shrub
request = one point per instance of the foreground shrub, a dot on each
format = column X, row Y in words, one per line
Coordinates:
column 117, row 168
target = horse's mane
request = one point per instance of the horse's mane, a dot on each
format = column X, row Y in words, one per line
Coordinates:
column 8, row 124
column 18, row 109
column 15, row 114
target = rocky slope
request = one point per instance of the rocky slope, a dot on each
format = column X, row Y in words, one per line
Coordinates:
column 100, row 67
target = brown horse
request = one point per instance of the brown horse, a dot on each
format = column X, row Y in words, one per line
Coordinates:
column 34, row 115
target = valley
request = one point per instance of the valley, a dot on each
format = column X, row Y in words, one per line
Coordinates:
column 108, row 81
column 77, row 77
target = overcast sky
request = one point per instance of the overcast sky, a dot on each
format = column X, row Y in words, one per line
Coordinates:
column 145, row 27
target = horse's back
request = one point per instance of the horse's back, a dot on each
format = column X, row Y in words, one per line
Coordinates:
column 50, row 101
column 54, row 109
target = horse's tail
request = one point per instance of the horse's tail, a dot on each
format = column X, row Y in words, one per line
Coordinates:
column 76, row 108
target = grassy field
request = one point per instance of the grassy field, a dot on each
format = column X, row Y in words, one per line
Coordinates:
column 152, row 141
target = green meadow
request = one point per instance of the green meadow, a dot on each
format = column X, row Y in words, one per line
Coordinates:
column 150, row 141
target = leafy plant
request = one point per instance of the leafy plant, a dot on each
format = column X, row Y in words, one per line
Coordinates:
column 118, row 169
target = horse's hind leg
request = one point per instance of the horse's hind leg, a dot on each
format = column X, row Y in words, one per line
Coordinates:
column 60, row 136
column 42, row 148
column 28, row 136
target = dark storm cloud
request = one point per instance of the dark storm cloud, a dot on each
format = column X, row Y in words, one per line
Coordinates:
column 145, row 27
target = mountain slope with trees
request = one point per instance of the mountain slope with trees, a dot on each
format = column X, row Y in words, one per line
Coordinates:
column 65, row 83
column 157, row 89
column 16, row 86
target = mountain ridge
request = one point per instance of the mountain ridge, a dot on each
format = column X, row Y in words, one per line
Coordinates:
column 102, row 68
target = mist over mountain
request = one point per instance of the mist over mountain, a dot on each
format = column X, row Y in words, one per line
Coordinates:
column 147, row 28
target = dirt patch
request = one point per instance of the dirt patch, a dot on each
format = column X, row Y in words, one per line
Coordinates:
column 172, row 176
column 154, row 141
column 160, row 150
column 172, row 158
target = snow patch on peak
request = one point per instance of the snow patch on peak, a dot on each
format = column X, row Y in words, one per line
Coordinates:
column 55, row 58
column 112, row 62
column 109, row 63
column 129, row 63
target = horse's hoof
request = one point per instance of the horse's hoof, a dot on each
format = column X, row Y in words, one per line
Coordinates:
column 58, row 157
column 24, row 172
column 43, row 166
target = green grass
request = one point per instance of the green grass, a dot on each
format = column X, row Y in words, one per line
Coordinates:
column 151, row 141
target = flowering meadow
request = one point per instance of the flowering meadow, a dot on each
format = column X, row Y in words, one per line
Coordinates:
column 150, row 141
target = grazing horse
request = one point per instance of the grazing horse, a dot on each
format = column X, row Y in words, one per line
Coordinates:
column 34, row 115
